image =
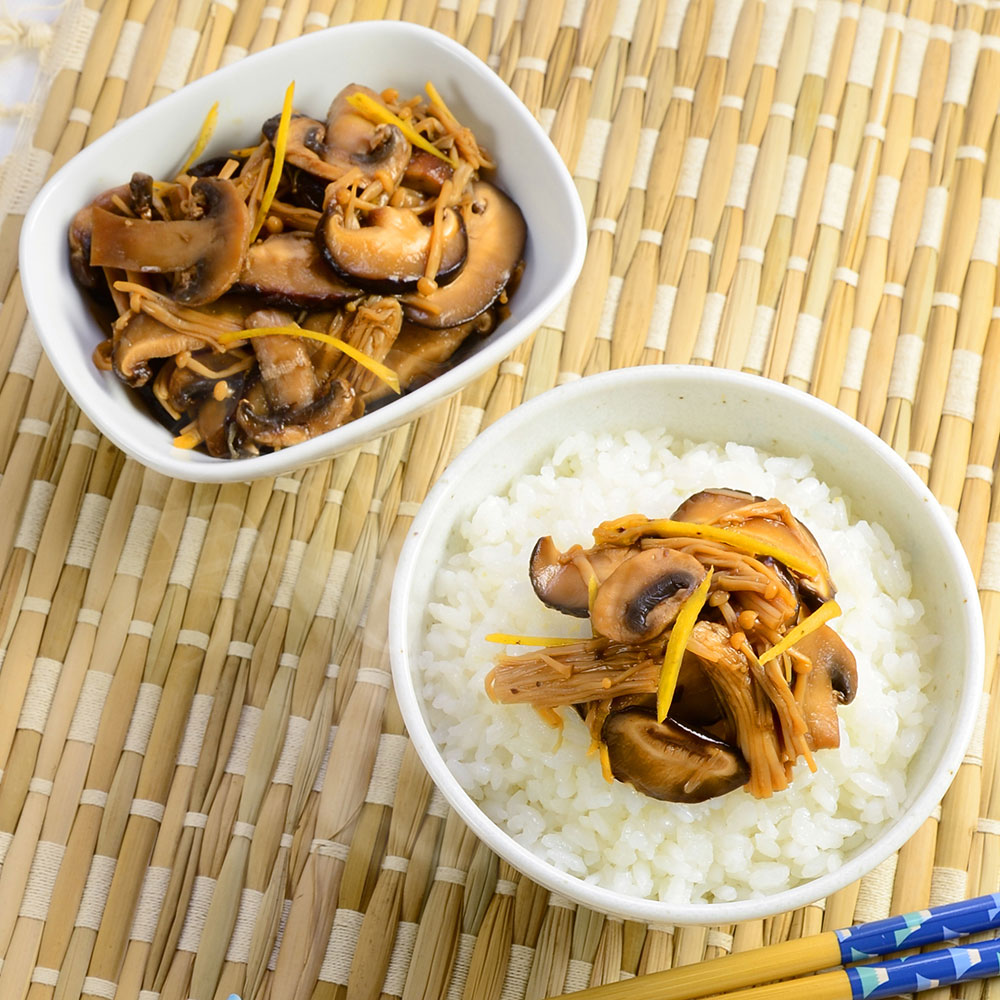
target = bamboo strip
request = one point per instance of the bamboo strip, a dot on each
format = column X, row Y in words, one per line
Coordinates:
column 94, row 744
column 374, row 946
column 677, row 58
column 916, row 305
column 548, row 970
column 156, row 20
column 733, row 342
column 790, row 241
column 713, row 185
column 974, row 508
column 957, row 407
column 874, row 262
column 906, row 221
column 206, row 551
column 831, row 351
column 80, row 22
column 965, row 204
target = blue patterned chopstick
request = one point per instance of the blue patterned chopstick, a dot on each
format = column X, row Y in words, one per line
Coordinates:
column 960, row 964
column 861, row 943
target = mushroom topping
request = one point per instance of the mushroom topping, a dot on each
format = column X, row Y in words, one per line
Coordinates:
column 287, row 269
column 426, row 173
column 666, row 760
column 279, row 430
column 496, row 236
column 561, row 580
column 390, row 253
column 347, row 141
column 643, row 595
column 81, row 233
column 419, row 355
column 204, row 254
column 832, row 680
column 139, row 340
column 769, row 520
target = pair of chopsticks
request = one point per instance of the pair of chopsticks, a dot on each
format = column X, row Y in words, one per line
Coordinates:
column 768, row 973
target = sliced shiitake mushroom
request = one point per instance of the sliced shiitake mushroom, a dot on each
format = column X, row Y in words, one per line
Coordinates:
column 666, row 760
column 389, row 254
column 644, row 593
column 288, row 269
column 203, row 255
column 724, row 507
column 561, row 580
column 419, row 355
column 496, row 236
column 292, row 426
column 347, row 141
column 832, row 680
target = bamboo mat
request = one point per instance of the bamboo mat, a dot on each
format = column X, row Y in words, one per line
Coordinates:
column 206, row 786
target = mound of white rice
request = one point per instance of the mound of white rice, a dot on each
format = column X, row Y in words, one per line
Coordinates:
column 552, row 798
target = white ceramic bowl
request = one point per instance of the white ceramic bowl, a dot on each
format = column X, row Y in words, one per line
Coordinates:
column 705, row 404
column 156, row 141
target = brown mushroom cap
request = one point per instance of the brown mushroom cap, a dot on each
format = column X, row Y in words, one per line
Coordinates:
column 204, row 255
column 142, row 339
column 287, row 269
column 666, row 760
column 288, row 427
column 496, row 234
column 558, row 581
column 724, row 506
column 348, row 140
column 831, row 681
column 389, row 254
column 643, row 595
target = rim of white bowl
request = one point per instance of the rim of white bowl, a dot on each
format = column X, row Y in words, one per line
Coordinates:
column 634, row 907
column 198, row 468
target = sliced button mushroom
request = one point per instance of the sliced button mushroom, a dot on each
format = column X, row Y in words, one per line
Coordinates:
column 831, row 681
column 561, row 580
column 203, row 255
column 81, row 231
column 669, row 761
column 389, row 255
column 496, row 234
column 141, row 340
column 643, row 595
column 287, row 269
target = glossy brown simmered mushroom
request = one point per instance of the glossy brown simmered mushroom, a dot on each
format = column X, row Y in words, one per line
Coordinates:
column 203, row 255
column 419, row 355
column 644, row 593
column 293, row 426
column 390, row 253
column 832, row 680
column 142, row 339
column 666, row 760
column 348, row 140
column 81, row 231
column 287, row 269
column 561, row 580
column 496, row 234
column 426, row 173
column 769, row 520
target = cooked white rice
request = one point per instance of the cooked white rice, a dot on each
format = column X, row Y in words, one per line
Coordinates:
column 553, row 799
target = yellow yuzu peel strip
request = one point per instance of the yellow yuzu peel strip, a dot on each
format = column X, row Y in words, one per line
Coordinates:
column 374, row 111
column 280, row 142
column 381, row 371
column 826, row 611
column 677, row 643
column 530, row 640
column 207, row 128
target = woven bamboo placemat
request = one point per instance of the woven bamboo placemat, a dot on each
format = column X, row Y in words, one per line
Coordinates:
column 206, row 785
